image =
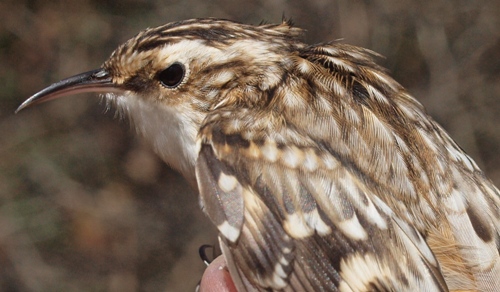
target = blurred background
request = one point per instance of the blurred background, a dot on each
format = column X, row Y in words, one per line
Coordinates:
column 84, row 203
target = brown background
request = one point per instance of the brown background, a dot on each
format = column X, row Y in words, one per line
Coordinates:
column 86, row 206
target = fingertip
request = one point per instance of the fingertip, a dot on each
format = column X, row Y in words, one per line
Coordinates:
column 216, row 277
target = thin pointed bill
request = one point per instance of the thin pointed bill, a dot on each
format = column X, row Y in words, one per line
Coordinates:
column 93, row 81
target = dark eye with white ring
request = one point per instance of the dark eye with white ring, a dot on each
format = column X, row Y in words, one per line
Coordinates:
column 172, row 76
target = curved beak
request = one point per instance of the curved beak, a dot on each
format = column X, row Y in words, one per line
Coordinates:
column 97, row 80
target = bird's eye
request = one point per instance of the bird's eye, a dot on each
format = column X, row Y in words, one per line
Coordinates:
column 172, row 76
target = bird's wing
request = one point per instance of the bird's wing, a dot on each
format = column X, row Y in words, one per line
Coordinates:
column 298, row 219
column 318, row 231
column 341, row 181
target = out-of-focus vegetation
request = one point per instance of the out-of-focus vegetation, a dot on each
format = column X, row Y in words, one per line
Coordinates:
column 86, row 206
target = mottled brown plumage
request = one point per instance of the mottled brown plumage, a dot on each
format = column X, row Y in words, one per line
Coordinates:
column 319, row 170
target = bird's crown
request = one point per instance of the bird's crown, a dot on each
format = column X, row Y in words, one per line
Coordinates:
column 209, row 53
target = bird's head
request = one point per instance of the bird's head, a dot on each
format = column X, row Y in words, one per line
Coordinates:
column 166, row 79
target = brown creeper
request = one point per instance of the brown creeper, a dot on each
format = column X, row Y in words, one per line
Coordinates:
column 320, row 171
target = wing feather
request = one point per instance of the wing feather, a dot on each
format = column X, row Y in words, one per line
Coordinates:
column 313, row 230
column 220, row 194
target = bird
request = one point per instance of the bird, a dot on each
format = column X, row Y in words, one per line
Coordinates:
column 318, row 169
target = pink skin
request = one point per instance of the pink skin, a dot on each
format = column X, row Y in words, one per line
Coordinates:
column 216, row 277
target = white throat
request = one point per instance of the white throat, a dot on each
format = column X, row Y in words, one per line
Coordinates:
column 171, row 132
